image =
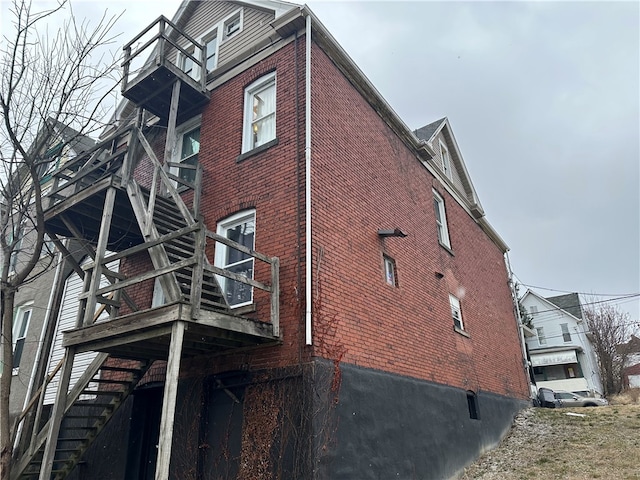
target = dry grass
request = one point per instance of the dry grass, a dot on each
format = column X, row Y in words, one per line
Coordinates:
column 549, row 444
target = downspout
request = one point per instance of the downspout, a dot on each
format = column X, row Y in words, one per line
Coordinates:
column 307, row 173
column 519, row 319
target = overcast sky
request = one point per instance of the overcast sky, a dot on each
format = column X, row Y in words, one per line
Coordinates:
column 543, row 98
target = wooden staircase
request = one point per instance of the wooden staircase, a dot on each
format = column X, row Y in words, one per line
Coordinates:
column 92, row 402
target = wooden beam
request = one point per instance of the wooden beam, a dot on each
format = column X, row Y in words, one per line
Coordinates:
column 103, row 239
column 169, row 402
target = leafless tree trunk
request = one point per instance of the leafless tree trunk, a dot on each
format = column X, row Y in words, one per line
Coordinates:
column 48, row 79
column 609, row 329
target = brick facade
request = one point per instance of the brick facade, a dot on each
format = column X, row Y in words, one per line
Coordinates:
column 364, row 179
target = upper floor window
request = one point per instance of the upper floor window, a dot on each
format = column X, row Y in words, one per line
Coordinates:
column 211, row 43
column 232, row 25
column 259, row 112
column 17, row 248
column 188, row 65
column 566, row 335
column 188, row 148
column 441, row 220
column 241, row 229
column 446, row 160
column 533, row 309
column 542, row 340
column 20, row 327
column 456, row 312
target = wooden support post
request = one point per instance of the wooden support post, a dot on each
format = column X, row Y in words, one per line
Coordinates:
column 169, row 401
column 197, row 273
column 171, row 126
column 59, row 406
column 103, row 239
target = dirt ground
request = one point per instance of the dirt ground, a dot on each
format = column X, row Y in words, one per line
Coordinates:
column 600, row 442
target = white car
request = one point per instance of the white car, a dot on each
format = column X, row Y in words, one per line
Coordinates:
column 568, row 399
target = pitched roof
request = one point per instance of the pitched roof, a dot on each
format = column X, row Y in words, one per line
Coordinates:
column 427, row 132
column 569, row 302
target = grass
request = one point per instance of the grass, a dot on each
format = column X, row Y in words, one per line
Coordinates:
column 549, row 444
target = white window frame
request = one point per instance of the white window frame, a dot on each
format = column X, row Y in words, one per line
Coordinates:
column 195, row 69
column 456, row 312
column 390, row 271
column 533, row 309
column 441, row 223
column 21, row 321
column 181, row 131
column 542, row 339
column 220, row 259
column 158, row 299
column 207, row 37
column 256, row 87
column 446, row 159
column 227, row 21
column 566, row 334
column 16, row 250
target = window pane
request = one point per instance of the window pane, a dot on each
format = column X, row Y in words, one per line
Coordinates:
column 17, row 352
column 190, row 143
column 263, row 131
column 238, row 292
column 211, row 53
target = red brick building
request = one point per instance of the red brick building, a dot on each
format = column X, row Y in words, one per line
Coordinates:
column 321, row 279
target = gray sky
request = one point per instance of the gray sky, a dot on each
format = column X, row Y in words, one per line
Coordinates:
column 543, row 98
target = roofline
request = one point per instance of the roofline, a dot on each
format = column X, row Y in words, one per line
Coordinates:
column 551, row 304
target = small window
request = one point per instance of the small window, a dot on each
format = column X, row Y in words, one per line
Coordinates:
column 446, row 160
column 20, row 327
column 259, row 113
column 456, row 312
column 542, row 340
column 566, row 335
column 533, row 309
column 390, row 271
column 241, row 229
column 188, row 148
column 232, row 25
column 472, row 403
column 441, row 220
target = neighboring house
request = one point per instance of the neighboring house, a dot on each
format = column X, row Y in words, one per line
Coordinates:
column 36, row 305
column 561, row 354
column 632, row 364
column 307, row 288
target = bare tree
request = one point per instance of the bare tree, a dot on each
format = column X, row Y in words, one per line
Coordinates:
column 609, row 329
column 48, row 79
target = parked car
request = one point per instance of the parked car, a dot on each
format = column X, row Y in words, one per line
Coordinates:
column 546, row 398
column 569, row 399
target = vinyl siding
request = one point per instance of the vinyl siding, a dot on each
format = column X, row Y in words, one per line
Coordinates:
column 207, row 15
column 67, row 321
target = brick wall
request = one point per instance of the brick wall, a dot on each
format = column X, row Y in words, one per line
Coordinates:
column 365, row 179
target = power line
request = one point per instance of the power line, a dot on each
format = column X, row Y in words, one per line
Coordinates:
column 580, row 293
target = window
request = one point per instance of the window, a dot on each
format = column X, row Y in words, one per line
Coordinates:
column 566, row 335
column 15, row 251
column 446, row 161
column 456, row 313
column 188, row 148
column 390, row 271
column 533, row 309
column 211, row 43
column 441, row 220
column 158, row 299
column 48, row 247
column 241, row 229
column 189, row 66
column 542, row 340
column 20, row 326
column 232, row 25
column 259, row 113
column 472, row 403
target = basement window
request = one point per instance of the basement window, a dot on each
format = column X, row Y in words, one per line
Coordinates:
column 472, row 403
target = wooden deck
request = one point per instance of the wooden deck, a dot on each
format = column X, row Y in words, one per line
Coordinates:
column 147, row 334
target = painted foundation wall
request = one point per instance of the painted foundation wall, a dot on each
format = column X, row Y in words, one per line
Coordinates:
column 388, row 426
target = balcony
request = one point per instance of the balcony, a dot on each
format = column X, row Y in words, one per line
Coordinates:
column 154, row 62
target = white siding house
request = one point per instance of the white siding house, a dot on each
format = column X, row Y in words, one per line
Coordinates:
column 561, row 354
